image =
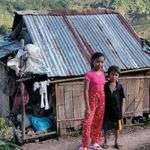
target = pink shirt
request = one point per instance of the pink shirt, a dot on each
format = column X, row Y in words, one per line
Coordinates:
column 97, row 81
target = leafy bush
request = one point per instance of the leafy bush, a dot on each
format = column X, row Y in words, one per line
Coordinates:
column 5, row 145
column 6, row 136
column 6, row 132
column 3, row 29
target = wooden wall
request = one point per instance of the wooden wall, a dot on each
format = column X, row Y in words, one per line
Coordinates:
column 70, row 104
column 137, row 91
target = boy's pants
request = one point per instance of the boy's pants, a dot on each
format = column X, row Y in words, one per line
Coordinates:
column 93, row 121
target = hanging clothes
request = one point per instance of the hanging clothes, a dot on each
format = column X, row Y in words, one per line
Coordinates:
column 18, row 99
column 42, row 86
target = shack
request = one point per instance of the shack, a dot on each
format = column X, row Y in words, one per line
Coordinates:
column 66, row 40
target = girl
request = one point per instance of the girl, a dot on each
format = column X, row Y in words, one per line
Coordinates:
column 94, row 100
column 114, row 94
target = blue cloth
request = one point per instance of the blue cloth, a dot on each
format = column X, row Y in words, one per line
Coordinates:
column 41, row 124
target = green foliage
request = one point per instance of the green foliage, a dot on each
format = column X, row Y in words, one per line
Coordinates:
column 36, row 4
column 6, row 145
column 140, row 6
column 6, row 136
column 124, row 6
column 6, row 132
column 143, row 30
column 3, row 29
column 133, row 9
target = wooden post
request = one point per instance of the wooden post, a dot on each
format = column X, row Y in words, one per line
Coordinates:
column 23, row 111
column 22, row 97
column 57, row 123
column 149, row 96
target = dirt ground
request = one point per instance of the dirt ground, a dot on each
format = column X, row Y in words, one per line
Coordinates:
column 137, row 138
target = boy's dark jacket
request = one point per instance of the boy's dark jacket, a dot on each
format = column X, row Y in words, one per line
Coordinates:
column 113, row 102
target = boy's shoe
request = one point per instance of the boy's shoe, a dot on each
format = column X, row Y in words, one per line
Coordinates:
column 117, row 146
column 105, row 146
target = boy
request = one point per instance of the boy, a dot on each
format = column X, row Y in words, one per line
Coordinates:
column 114, row 95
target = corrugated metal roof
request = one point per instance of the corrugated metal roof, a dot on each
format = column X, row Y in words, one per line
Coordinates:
column 8, row 46
column 68, row 41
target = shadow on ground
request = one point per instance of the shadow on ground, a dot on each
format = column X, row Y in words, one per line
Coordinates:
column 143, row 147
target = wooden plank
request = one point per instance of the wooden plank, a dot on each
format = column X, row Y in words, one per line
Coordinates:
column 139, row 98
column 137, row 95
column 60, row 95
column 61, row 112
column 124, row 102
column 124, row 82
column 130, row 105
column 146, row 102
column 135, row 77
column 71, row 83
column 129, row 98
column 82, row 101
column 77, row 105
column 68, row 104
column 138, row 108
column 73, row 119
column 40, row 135
column 60, row 102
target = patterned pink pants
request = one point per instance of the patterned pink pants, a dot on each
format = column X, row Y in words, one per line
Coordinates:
column 93, row 122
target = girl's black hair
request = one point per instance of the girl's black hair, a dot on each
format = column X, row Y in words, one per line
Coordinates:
column 113, row 68
column 95, row 56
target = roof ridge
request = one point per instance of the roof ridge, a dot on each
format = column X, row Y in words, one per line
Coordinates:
column 86, row 11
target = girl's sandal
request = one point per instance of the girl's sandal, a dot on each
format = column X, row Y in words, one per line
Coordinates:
column 95, row 147
column 81, row 148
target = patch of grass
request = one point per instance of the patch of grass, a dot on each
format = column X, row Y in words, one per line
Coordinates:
column 143, row 30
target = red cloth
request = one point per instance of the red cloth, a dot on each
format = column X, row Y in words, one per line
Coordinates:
column 18, row 100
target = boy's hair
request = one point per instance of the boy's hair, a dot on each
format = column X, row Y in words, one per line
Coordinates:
column 113, row 68
column 95, row 56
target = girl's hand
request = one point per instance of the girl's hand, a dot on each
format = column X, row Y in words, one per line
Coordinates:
column 87, row 110
column 86, row 96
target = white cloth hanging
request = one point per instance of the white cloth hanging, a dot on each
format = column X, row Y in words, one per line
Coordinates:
column 42, row 86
